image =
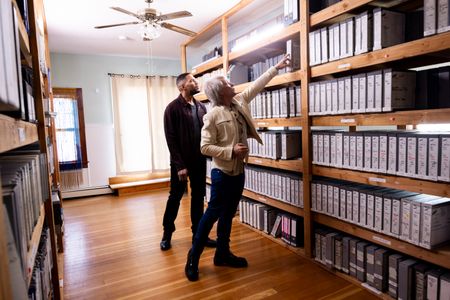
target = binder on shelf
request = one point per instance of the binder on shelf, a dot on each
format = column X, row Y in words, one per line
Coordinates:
column 430, row 17
column 419, row 280
column 388, row 28
column 238, row 73
column 276, row 230
column 324, row 45
column 363, row 32
column 405, row 279
column 293, row 49
column 381, row 269
column 346, row 254
column 399, row 90
column 361, row 261
column 444, row 286
column 334, row 42
column 353, row 257
column 291, row 12
column 330, row 249
column 394, row 262
column 443, row 16
column 370, row 264
column 347, row 34
column 433, row 283
column 444, row 158
column 338, row 252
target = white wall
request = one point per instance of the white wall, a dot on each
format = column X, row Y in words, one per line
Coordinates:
column 90, row 73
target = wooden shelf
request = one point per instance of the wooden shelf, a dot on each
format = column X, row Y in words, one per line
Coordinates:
column 294, row 165
column 413, row 117
column 427, row 45
column 16, row 133
column 297, row 250
column 34, row 244
column 390, row 181
column 336, row 10
column 278, row 122
column 274, row 203
column 439, row 257
column 212, row 64
column 265, row 43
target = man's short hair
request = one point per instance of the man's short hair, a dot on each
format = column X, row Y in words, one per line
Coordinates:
column 181, row 79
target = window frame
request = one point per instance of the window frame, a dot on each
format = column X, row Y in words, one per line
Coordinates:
column 76, row 94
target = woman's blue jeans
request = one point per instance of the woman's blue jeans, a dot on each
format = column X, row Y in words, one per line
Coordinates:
column 226, row 192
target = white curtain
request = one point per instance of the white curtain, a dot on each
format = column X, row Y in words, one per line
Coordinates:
column 138, row 105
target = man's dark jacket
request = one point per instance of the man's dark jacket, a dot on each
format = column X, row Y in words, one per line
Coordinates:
column 178, row 127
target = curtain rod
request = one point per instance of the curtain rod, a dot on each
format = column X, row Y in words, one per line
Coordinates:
column 137, row 76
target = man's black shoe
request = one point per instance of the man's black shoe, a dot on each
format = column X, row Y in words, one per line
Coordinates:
column 165, row 242
column 230, row 260
column 211, row 243
column 191, row 268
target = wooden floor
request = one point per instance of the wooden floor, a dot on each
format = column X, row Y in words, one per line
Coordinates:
column 112, row 252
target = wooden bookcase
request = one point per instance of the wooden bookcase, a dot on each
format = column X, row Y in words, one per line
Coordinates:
column 15, row 133
column 414, row 53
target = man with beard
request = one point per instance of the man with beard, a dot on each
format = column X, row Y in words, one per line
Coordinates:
column 183, row 121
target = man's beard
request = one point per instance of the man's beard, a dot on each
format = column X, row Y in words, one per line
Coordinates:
column 194, row 91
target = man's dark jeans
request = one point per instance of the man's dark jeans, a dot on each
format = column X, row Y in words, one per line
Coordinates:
column 197, row 176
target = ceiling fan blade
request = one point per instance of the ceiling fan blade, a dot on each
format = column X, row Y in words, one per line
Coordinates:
column 178, row 29
column 114, row 25
column 175, row 15
column 125, row 11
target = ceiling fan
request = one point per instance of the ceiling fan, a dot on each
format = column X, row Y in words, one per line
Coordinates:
column 153, row 21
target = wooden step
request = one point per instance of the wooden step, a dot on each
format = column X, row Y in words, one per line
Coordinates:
column 140, row 186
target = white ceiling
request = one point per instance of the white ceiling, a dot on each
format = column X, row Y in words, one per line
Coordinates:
column 71, row 24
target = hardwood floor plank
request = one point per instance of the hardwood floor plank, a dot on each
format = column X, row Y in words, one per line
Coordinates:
column 112, row 252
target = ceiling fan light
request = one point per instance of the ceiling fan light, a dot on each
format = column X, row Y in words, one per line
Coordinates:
column 150, row 31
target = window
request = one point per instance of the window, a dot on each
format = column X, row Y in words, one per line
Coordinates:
column 70, row 132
